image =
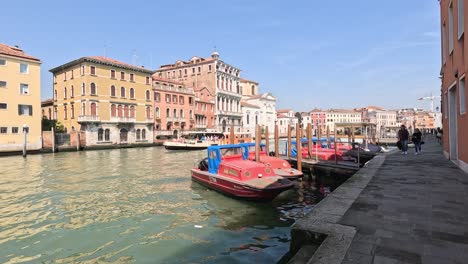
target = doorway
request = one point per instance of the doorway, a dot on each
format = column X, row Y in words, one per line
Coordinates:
column 452, row 115
column 123, row 135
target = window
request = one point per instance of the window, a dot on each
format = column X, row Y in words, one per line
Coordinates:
column 209, row 67
column 25, row 110
column 24, row 88
column 253, row 90
column 132, row 93
column 65, row 76
column 461, row 18
column 180, row 73
column 156, row 112
column 126, row 112
column 168, row 112
column 82, row 70
column 462, row 95
column 199, row 69
column 93, row 109
column 107, row 135
column 83, row 88
column 3, row 84
column 193, row 70
column 72, row 92
column 181, row 113
column 122, row 92
column 181, row 99
column 132, row 111
column 122, row 75
column 143, row 133
column 190, row 100
column 72, row 111
column 248, row 119
column 120, row 111
column 100, row 134
column 148, row 112
column 157, row 97
column 112, row 92
column 65, row 114
column 168, row 98
column 24, row 68
column 113, row 74
column 132, row 77
column 148, row 95
column 185, row 71
column 2, row 62
column 174, row 99
column 147, row 80
column 72, row 74
column 113, row 110
column 92, row 70
column 93, row 89
column 14, row 130
column 450, row 29
column 65, row 93
column 138, row 134
column 191, row 114
column 3, row 130
column 175, row 113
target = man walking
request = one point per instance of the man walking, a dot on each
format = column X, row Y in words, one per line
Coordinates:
column 403, row 136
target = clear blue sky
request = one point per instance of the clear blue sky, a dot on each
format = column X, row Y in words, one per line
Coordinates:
column 307, row 53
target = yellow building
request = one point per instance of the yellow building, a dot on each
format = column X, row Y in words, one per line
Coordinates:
column 108, row 99
column 20, row 100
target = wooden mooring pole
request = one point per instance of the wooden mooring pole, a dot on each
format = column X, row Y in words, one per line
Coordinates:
column 299, row 146
column 267, row 141
column 258, row 138
column 289, row 142
column 276, row 141
column 309, row 140
column 231, row 135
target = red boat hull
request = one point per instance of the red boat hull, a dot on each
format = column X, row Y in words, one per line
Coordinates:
column 237, row 189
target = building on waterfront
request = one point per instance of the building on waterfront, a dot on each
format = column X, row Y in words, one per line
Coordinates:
column 47, row 107
column 216, row 83
column 318, row 120
column 285, row 118
column 416, row 118
column 20, row 99
column 174, row 107
column 382, row 118
column 107, row 99
column 248, row 87
column 454, row 20
column 333, row 116
column 259, row 109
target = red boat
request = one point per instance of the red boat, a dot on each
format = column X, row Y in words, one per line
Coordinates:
column 280, row 166
column 228, row 171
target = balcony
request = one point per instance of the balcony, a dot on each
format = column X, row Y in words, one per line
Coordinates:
column 122, row 119
column 228, row 93
column 88, row 119
column 227, row 113
column 198, row 126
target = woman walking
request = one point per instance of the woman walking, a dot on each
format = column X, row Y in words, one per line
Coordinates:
column 417, row 139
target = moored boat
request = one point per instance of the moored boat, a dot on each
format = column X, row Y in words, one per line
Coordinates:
column 280, row 166
column 195, row 141
column 227, row 170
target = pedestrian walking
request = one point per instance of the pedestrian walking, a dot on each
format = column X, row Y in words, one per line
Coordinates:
column 439, row 135
column 403, row 137
column 417, row 140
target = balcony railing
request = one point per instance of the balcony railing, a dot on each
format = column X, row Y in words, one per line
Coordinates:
column 219, row 112
column 200, row 126
column 123, row 119
column 234, row 94
column 88, row 118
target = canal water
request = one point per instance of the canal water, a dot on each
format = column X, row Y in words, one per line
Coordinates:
column 135, row 205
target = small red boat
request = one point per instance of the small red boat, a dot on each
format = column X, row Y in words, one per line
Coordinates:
column 280, row 166
column 227, row 170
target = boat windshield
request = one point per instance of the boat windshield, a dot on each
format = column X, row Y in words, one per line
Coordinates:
column 230, row 152
column 252, row 148
column 204, row 136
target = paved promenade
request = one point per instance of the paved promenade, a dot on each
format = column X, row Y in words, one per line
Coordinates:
column 414, row 210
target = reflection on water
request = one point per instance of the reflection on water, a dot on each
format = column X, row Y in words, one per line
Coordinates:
column 134, row 205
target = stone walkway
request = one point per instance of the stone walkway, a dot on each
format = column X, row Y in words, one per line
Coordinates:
column 414, row 210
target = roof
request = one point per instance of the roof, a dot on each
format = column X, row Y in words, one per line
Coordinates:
column 16, row 52
column 47, row 102
column 245, row 80
column 182, row 63
column 375, row 107
column 104, row 61
column 257, row 96
column 249, row 105
column 281, row 115
column 283, row 110
column 316, row 110
column 161, row 79
column 342, row 111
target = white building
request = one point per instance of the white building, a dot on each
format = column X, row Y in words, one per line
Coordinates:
column 259, row 109
column 333, row 116
column 285, row 118
column 379, row 116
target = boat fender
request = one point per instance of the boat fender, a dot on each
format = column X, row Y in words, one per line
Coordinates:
column 272, row 153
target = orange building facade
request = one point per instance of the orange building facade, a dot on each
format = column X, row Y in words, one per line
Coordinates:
column 454, row 60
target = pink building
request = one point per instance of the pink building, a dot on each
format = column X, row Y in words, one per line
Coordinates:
column 318, row 120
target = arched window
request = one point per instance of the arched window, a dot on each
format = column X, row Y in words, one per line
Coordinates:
column 122, row 91
column 247, row 118
column 143, row 133
column 147, row 94
column 120, row 110
column 83, row 109
column 100, row 134
column 253, row 90
column 156, row 112
column 181, row 113
column 175, row 113
column 83, row 89
column 168, row 112
column 65, row 93
column 132, row 93
column 72, row 92
column 256, row 119
column 93, row 109
column 132, row 111
column 148, row 112
column 93, row 89
column 138, row 134
column 126, row 111
column 113, row 110
column 107, row 135
column 112, row 91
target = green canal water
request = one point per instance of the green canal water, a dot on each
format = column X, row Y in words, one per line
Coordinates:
column 134, row 206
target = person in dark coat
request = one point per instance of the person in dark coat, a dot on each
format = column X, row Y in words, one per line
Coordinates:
column 403, row 137
column 417, row 139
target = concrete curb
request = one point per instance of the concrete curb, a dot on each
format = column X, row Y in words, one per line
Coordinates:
column 320, row 227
